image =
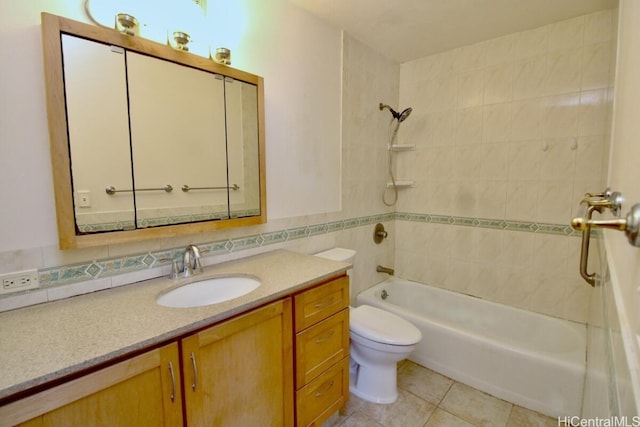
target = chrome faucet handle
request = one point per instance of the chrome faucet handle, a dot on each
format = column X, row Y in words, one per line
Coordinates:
column 630, row 225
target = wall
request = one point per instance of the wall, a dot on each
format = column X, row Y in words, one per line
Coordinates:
column 368, row 79
column 509, row 133
column 303, row 85
column 303, row 114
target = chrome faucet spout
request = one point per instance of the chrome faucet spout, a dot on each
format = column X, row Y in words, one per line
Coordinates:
column 381, row 269
column 191, row 261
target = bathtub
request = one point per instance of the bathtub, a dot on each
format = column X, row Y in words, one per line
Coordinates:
column 529, row 359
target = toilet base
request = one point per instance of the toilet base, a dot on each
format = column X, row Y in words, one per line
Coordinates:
column 374, row 384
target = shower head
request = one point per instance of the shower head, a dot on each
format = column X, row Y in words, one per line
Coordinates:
column 405, row 113
column 400, row 117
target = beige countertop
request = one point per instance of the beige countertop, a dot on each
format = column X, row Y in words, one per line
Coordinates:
column 52, row 340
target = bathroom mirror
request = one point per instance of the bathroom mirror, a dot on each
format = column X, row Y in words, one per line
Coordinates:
column 148, row 141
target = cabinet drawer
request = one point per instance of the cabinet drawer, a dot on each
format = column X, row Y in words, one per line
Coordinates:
column 321, row 346
column 323, row 396
column 321, row 302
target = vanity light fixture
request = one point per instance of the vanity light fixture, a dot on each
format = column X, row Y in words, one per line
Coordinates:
column 182, row 40
column 223, row 56
column 127, row 24
column 185, row 23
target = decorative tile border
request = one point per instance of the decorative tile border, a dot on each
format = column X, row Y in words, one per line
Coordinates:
column 496, row 224
column 55, row 276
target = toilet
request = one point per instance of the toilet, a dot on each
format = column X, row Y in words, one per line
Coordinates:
column 379, row 340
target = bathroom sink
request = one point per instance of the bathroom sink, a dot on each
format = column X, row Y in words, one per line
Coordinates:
column 208, row 291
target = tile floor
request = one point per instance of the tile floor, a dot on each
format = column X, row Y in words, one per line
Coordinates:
column 428, row 399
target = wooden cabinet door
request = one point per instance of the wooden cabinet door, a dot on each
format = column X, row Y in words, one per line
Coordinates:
column 141, row 391
column 238, row 373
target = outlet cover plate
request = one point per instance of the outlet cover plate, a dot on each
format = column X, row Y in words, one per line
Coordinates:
column 19, row 281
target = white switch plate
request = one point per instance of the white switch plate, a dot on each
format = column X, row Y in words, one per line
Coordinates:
column 84, row 199
column 19, row 281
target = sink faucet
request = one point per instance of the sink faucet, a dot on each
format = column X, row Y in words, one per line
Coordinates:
column 191, row 261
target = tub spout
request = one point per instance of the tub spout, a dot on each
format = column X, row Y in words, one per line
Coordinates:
column 381, row 269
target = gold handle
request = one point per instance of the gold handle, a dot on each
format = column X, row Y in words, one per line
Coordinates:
column 590, row 278
column 327, row 302
column 325, row 338
column 583, row 224
column 173, row 383
column 195, row 371
column 325, row 389
column 630, row 225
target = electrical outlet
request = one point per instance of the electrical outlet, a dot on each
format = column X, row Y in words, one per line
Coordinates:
column 19, row 281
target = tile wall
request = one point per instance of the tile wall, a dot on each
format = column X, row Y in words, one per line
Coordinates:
column 515, row 128
column 493, row 194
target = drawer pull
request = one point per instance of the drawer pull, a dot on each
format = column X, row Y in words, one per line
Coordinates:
column 173, row 383
column 326, row 337
column 195, row 371
column 326, row 302
column 325, row 389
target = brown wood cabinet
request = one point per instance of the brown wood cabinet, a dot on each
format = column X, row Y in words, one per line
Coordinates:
column 322, row 351
column 238, row 373
column 143, row 390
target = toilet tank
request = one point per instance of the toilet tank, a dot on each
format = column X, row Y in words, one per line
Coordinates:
column 338, row 254
column 344, row 255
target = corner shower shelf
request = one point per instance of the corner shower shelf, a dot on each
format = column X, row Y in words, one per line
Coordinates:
column 403, row 147
column 401, row 184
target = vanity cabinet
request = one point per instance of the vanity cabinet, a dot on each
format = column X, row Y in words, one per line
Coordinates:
column 238, row 373
column 283, row 363
column 321, row 321
column 143, row 390
column 235, row 373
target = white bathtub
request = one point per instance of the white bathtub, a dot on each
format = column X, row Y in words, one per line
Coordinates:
column 529, row 359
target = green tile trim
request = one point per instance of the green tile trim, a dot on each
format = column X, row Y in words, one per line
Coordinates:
column 495, row 224
column 67, row 274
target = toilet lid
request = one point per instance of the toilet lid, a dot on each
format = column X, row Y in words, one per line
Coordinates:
column 383, row 327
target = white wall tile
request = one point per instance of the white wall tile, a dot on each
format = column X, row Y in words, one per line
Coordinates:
column 496, row 120
column 469, row 126
column 528, row 44
column 528, row 119
column 593, row 113
column 566, row 34
column 529, row 77
column 598, row 27
column 524, row 160
column 498, row 84
column 494, row 161
column 595, row 68
column 564, row 71
column 561, row 117
column 470, row 88
column 522, row 200
column 499, row 50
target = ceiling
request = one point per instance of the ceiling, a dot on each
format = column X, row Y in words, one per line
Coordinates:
column 404, row 30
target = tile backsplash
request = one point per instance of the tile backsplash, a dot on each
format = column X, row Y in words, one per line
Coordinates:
column 64, row 281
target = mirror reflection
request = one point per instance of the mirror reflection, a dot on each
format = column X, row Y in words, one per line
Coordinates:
column 156, row 139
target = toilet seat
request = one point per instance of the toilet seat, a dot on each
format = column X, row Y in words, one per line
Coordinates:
column 383, row 327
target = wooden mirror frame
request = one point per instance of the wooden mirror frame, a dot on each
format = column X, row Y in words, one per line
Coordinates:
column 52, row 28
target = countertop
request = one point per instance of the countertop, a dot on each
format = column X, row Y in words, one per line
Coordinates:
column 50, row 341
